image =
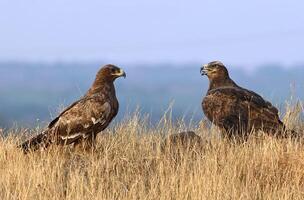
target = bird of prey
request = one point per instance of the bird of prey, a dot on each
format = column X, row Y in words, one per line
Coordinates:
column 85, row 118
column 235, row 110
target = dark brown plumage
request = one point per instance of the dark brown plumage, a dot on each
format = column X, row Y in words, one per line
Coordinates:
column 85, row 118
column 237, row 111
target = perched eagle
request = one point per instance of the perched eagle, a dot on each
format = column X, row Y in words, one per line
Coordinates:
column 235, row 110
column 85, row 118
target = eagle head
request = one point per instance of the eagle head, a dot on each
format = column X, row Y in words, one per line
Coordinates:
column 214, row 70
column 105, row 78
column 110, row 73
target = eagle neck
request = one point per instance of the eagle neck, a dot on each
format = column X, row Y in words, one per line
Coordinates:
column 223, row 82
column 105, row 87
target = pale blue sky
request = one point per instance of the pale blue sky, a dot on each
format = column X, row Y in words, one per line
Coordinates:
column 239, row 32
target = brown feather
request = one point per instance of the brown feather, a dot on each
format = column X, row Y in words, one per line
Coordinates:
column 237, row 111
column 85, row 118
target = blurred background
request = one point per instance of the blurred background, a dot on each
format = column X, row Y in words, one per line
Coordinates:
column 51, row 50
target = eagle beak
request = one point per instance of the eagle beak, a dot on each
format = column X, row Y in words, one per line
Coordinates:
column 124, row 74
column 121, row 73
column 204, row 70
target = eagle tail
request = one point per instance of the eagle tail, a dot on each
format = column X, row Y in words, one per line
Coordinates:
column 33, row 144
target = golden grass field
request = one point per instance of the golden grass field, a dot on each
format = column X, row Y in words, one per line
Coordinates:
column 128, row 164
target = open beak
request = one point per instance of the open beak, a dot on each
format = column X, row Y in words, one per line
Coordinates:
column 204, row 70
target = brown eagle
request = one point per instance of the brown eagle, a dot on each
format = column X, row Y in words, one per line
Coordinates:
column 85, row 118
column 235, row 110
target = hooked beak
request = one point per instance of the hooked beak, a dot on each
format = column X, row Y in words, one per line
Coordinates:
column 121, row 73
column 204, row 70
column 124, row 74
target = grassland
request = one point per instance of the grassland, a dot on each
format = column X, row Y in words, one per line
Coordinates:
column 128, row 164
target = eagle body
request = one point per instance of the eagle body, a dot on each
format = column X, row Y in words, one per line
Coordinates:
column 239, row 111
column 235, row 110
column 89, row 116
column 85, row 118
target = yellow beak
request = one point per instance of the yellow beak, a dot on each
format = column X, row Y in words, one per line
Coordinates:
column 120, row 73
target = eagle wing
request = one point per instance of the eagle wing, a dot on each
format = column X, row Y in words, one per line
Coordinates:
column 87, row 116
column 237, row 108
column 53, row 122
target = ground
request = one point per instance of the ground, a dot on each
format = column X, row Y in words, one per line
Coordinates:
column 128, row 163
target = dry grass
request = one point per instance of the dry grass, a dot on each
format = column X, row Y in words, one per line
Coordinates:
column 128, row 164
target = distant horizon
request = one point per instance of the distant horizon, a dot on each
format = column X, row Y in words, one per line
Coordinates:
column 33, row 91
column 250, row 68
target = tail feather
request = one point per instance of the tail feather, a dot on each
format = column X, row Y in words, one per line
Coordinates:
column 33, row 144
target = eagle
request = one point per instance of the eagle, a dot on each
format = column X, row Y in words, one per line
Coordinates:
column 80, row 122
column 236, row 110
